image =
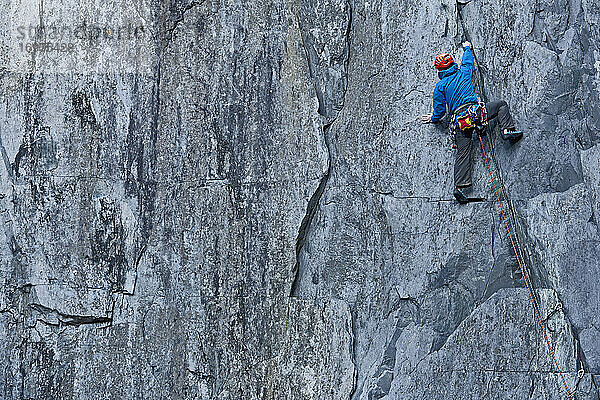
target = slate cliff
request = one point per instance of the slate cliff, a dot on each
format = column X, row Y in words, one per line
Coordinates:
column 251, row 209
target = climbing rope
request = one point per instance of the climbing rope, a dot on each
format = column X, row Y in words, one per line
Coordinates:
column 516, row 247
column 570, row 394
column 481, row 83
column 514, row 222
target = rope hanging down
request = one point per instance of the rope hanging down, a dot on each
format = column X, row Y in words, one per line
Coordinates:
column 570, row 394
column 518, row 251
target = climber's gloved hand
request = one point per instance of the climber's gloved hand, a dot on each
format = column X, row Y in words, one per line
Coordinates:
column 426, row 119
column 466, row 44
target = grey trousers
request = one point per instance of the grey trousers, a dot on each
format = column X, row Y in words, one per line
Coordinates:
column 462, row 159
column 499, row 109
column 463, row 163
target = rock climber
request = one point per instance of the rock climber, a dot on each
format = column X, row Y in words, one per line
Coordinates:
column 455, row 91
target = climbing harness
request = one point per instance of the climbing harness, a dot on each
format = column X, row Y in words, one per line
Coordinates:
column 467, row 117
column 570, row 394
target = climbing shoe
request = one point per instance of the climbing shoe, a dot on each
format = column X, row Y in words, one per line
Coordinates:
column 512, row 134
column 461, row 197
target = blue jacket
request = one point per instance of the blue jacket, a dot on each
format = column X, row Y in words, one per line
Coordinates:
column 455, row 87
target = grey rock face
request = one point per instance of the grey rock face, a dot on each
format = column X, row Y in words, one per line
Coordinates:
column 247, row 207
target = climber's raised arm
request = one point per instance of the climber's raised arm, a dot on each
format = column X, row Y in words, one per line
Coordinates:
column 467, row 65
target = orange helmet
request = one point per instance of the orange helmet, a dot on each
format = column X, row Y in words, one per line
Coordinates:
column 443, row 61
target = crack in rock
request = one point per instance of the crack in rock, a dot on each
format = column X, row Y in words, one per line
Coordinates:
column 329, row 112
column 70, row 319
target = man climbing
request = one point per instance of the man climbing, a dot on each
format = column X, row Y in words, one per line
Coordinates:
column 455, row 90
